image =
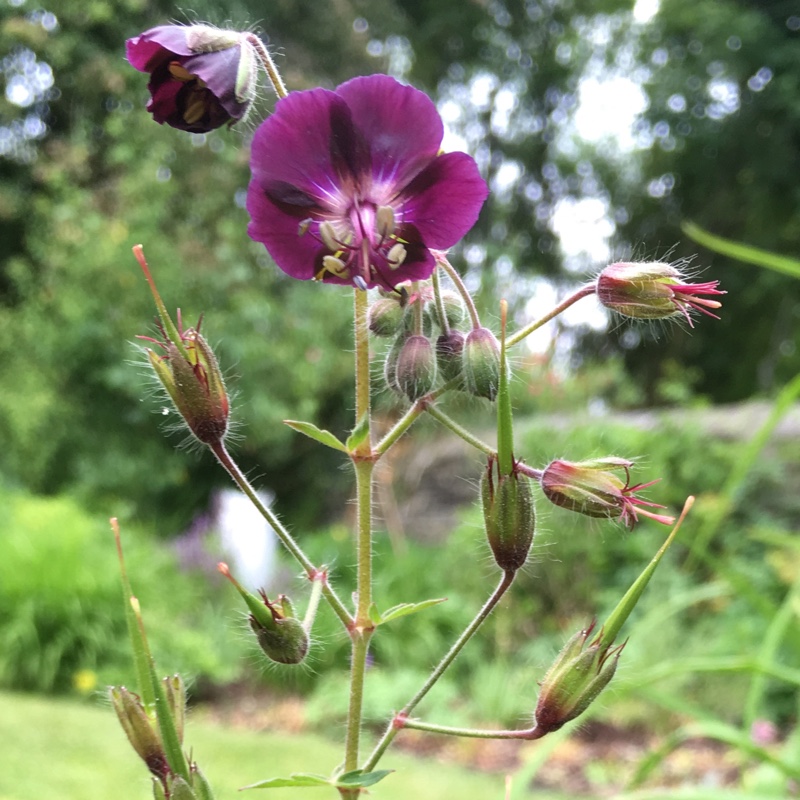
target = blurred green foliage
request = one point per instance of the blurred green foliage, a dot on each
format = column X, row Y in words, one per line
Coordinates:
column 62, row 618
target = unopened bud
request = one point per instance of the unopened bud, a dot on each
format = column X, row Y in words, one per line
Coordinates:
column 482, row 363
column 280, row 635
column 390, row 363
column 508, row 514
column 575, row 679
column 449, row 354
column 654, row 290
column 599, row 487
column 454, row 309
column 180, row 790
column 385, row 316
column 416, row 367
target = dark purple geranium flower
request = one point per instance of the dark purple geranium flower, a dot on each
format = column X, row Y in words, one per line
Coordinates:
column 349, row 186
column 200, row 77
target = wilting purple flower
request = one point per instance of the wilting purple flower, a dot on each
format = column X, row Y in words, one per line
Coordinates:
column 349, row 187
column 200, row 77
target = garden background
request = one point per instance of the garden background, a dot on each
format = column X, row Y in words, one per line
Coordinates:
column 601, row 127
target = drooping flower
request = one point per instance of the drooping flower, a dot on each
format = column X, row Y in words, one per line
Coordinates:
column 200, row 77
column 594, row 488
column 654, row 291
column 349, row 186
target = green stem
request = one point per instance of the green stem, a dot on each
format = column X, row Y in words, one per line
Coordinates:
column 529, row 329
column 269, row 65
column 411, row 416
column 440, row 309
column 460, row 431
column 232, row 468
column 462, row 290
column 396, row 725
column 469, row 733
column 362, row 628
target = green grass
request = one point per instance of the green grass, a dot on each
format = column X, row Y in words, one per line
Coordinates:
column 65, row 750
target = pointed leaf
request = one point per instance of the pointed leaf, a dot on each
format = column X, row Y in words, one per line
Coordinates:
column 360, row 778
column 297, row 779
column 359, row 434
column 404, row 609
column 313, row 432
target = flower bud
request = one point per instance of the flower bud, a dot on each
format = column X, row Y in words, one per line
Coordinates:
column 390, row 363
column 454, row 309
column 575, row 679
column 416, row 367
column 594, row 488
column 653, row 291
column 449, row 354
column 280, row 635
column 508, row 514
column 482, row 363
column 385, row 316
column 200, row 77
column 141, row 730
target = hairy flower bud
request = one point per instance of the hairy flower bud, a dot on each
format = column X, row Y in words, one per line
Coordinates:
column 454, row 309
column 594, row 488
column 449, row 354
column 482, row 363
column 575, row 679
column 416, row 367
column 654, row 291
column 200, row 77
column 508, row 515
column 385, row 316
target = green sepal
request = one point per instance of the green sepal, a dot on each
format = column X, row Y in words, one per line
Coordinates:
column 319, row 435
column 296, row 779
column 621, row 613
column 180, row 790
column 200, row 784
column 158, row 790
column 245, row 75
column 359, row 434
column 401, row 610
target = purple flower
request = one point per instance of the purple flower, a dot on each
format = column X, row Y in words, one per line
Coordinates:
column 349, row 187
column 200, row 77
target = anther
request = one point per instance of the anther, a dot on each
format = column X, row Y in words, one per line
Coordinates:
column 328, row 235
column 396, row 256
column 384, row 221
column 335, row 266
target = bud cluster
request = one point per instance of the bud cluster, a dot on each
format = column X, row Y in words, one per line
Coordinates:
column 431, row 344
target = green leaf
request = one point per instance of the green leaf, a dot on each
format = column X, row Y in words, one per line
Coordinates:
column 404, row 609
column 313, row 432
column 296, row 779
column 374, row 614
column 360, row 778
column 359, row 434
column 743, row 252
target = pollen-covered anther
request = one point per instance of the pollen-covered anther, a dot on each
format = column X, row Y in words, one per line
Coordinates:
column 178, row 71
column 335, row 266
column 396, row 256
column 384, row 221
column 328, row 235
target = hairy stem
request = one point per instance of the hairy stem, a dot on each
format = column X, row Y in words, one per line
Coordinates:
column 460, row 431
column 462, row 290
column 396, row 725
column 269, row 65
column 533, row 326
column 232, row 468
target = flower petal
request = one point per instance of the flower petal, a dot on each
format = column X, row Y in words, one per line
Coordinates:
column 146, row 51
column 277, row 227
column 444, row 200
column 400, row 123
column 218, row 71
column 294, row 146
